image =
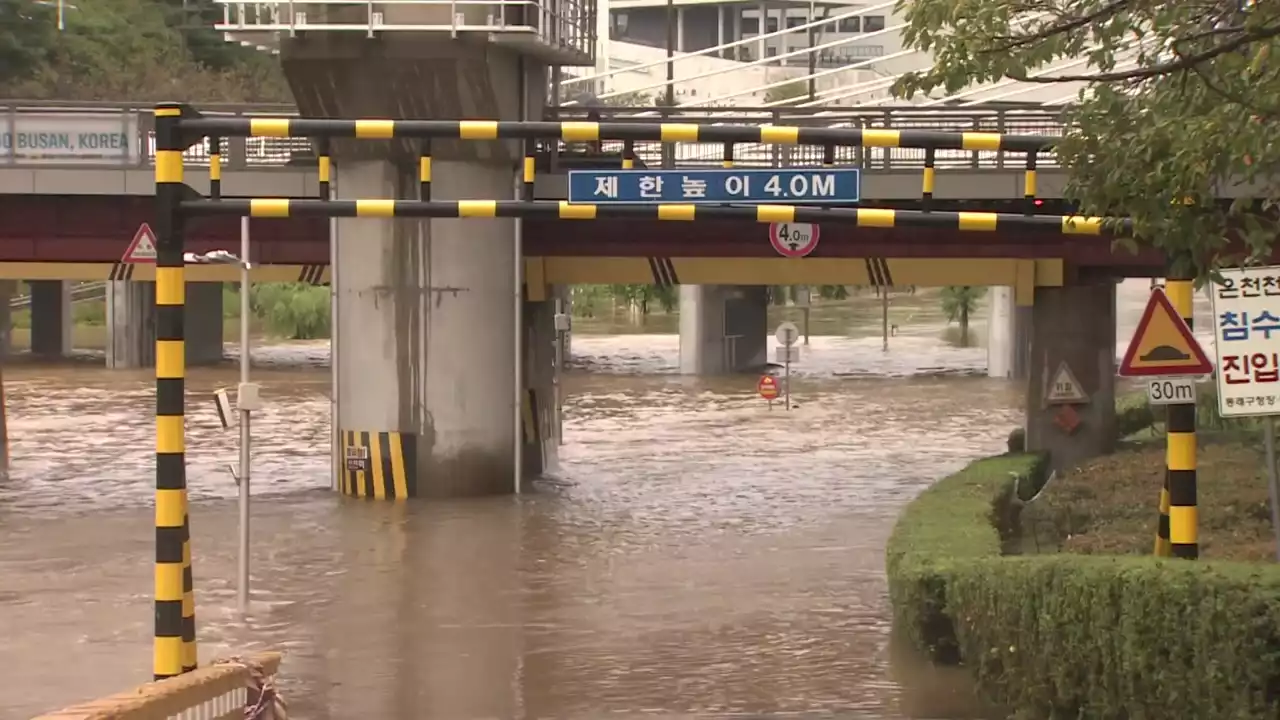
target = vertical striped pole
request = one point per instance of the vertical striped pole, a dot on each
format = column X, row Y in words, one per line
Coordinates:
column 215, row 168
column 1180, row 456
column 727, row 161
column 1162, row 548
column 424, row 172
column 324, row 170
column 1029, row 185
column 828, row 156
column 530, row 167
column 926, row 182
column 628, row 154
column 174, row 649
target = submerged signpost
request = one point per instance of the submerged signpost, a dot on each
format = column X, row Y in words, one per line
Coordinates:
column 787, row 334
column 1247, row 340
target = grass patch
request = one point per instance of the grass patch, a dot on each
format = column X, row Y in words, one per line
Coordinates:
column 1109, row 506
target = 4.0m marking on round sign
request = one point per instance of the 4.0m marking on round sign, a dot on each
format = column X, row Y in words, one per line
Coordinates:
column 794, row 239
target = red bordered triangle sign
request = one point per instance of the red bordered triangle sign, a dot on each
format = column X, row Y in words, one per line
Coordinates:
column 143, row 247
column 1163, row 344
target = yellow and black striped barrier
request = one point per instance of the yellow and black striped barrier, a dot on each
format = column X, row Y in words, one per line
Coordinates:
column 1179, row 504
column 561, row 210
column 174, row 647
column 194, row 125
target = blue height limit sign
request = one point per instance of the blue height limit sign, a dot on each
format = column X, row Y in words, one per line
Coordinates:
column 816, row 186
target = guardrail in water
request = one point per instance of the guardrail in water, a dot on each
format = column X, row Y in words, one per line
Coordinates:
column 221, row 691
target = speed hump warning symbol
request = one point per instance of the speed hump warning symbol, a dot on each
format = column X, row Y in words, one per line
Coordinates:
column 793, row 239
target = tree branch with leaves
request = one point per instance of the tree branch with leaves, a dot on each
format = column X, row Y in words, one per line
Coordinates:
column 1182, row 102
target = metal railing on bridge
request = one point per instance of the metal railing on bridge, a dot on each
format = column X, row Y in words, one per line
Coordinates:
column 39, row 133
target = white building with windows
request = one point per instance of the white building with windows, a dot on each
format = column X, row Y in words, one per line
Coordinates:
column 856, row 53
column 774, row 47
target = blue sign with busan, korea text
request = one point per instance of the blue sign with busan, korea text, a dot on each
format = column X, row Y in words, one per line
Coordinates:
column 816, row 186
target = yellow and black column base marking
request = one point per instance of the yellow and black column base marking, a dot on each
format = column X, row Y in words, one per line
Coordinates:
column 122, row 271
column 313, row 274
column 379, row 465
column 878, row 272
column 664, row 272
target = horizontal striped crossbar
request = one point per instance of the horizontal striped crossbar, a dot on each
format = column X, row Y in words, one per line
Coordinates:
column 592, row 131
column 862, row 217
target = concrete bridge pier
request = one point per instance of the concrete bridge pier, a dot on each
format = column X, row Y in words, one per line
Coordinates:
column 1075, row 325
column 427, row 333
column 131, row 327
column 723, row 328
column 1008, row 336
column 7, row 288
column 51, row 322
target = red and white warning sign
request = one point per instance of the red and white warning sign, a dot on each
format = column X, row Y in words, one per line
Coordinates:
column 143, row 247
column 793, row 239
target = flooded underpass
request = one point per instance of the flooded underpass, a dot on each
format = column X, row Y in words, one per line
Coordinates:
column 698, row 554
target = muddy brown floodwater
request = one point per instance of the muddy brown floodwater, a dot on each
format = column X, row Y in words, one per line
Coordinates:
column 698, row 555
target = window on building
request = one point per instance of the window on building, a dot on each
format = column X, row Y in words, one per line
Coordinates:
column 750, row 26
column 873, row 23
column 619, row 24
column 850, row 24
column 794, row 22
column 771, row 25
column 770, row 51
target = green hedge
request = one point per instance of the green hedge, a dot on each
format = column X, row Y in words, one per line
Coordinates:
column 1133, row 414
column 1075, row 636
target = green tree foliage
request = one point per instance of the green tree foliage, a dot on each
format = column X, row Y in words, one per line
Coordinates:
column 833, row 292
column 958, row 303
column 292, row 310
column 595, row 300
column 141, row 50
column 1182, row 98
column 788, row 94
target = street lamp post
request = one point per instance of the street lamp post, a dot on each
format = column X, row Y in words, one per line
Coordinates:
column 247, row 400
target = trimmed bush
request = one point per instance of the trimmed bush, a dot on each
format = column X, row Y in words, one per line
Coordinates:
column 1076, row 636
column 1133, row 414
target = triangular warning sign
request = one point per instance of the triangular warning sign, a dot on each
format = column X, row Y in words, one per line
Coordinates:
column 1163, row 344
column 1065, row 388
column 143, row 247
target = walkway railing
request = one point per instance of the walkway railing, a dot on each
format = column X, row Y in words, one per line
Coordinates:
column 564, row 30
column 81, row 292
column 221, row 691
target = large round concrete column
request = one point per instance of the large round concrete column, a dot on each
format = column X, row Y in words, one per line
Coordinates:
column 426, row 321
column 426, row 347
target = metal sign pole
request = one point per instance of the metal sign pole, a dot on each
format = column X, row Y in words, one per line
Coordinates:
column 1273, row 483
column 884, row 317
column 246, row 440
column 786, row 390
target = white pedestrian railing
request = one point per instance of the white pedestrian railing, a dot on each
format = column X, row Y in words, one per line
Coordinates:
column 566, row 28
